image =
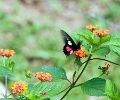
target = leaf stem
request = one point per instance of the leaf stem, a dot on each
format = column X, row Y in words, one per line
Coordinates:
column 101, row 75
column 69, row 81
column 9, row 94
column 63, row 90
column 39, row 88
column 1, row 93
column 77, row 85
column 104, row 60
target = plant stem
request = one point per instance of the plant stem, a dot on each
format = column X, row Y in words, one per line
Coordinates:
column 69, row 81
column 101, row 75
column 9, row 94
column 6, row 85
column 63, row 90
column 105, row 60
column 73, row 84
column 39, row 88
column 1, row 93
column 101, row 59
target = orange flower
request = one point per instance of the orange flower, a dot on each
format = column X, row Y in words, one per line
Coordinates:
column 80, row 53
column 18, row 87
column 6, row 52
column 101, row 32
column 106, row 65
column 105, row 68
column 91, row 28
column 43, row 76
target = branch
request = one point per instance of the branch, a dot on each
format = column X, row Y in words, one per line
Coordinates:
column 104, row 60
column 73, row 84
column 63, row 90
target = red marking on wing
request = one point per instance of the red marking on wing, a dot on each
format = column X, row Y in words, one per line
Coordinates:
column 68, row 48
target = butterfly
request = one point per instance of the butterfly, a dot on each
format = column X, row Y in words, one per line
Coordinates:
column 70, row 45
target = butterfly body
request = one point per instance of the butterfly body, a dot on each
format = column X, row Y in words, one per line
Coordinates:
column 70, row 45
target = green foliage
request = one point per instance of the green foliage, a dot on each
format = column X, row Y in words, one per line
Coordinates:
column 21, row 97
column 96, row 45
column 77, row 64
column 51, row 89
column 114, row 43
column 5, row 71
column 6, row 99
column 82, row 35
column 111, row 90
column 94, row 87
column 101, row 51
column 28, row 36
column 56, row 72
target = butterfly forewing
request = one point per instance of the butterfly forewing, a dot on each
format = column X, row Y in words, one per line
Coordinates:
column 67, row 39
column 70, row 45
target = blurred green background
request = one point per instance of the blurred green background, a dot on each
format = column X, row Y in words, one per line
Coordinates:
column 32, row 29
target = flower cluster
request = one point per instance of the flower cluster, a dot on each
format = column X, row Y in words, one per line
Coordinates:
column 18, row 87
column 105, row 68
column 43, row 76
column 91, row 28
column 99, row 33
column 6, row 52
column 80, row 53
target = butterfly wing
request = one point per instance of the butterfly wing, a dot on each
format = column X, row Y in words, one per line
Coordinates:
column 67, row 38
column 70, row 45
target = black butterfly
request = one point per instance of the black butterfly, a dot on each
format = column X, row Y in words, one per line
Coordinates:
column 70, row 45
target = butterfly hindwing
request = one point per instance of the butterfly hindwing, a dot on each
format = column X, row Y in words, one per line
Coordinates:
column 70, row 45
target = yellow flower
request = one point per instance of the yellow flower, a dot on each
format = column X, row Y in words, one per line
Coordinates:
column 43, row 76
column 80, row 53
column 18, row 87
column 7, row 52
column 91, row 28
column 101, row 33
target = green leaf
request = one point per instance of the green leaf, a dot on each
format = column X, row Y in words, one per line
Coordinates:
column 84, row 34
column 11, row 65
column 115, row 49
column 1, row 63
column 56, row 72
column 102, row 51
column 6, row 99
column 96, row 40
column 46, row 99
column 5, row 71
column 114, row 42
column 30, row 87
column 115, row 35
column 77, row 64
column 82, row 39
column 51, row 89
column 94, row 87
column 118, row 96
column 105, row 39
column 111, row 90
